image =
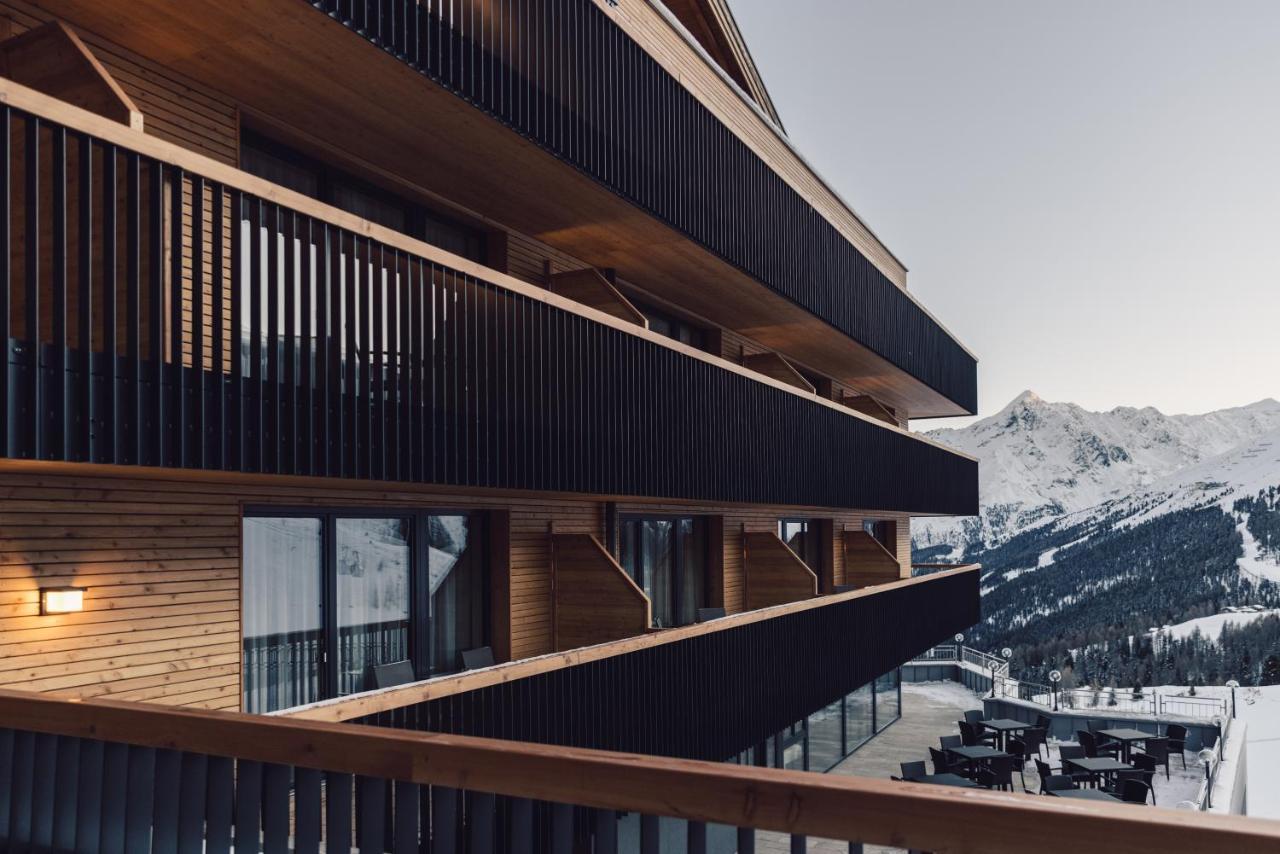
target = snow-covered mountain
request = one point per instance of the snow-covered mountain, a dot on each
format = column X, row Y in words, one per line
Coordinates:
column 1040, row 461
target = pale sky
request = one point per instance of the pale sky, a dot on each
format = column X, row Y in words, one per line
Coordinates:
column 1086, row 193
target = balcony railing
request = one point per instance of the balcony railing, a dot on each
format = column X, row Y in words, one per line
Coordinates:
column 162, row 309
column 104, row 775
column 567, row 77
column 708, row 691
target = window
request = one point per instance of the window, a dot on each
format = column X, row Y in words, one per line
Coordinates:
column 826, row 737
column 667, row 557
column 801, row 536
column 330, row 595
column 888, row 699
column 859, row 718
column 280, row 164
column 884, row 531
column 671, row 326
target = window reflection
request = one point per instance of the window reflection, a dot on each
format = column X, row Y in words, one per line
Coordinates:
column 373, row 598
column 283, row 612
column 457, row 592
column 667, row 558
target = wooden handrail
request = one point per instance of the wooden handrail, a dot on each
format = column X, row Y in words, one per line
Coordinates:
column 908, row 815
column 39, row 104
column 385, row 699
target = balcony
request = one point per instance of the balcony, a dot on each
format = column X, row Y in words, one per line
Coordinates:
column 170, row 311
column 477, row 108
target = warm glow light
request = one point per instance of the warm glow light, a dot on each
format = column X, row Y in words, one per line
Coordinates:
column 61, row 600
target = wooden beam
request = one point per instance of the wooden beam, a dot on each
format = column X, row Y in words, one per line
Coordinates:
column 774, row 573
column 773, row 365
column 867, row 562
column 595, row 600
column 825, row 806
column 386, row 699
column 52, row 59
column 590, row 288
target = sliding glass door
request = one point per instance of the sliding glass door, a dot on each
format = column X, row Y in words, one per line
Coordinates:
column 330, row 596
column 667, row 557
column 802, row 537
column 284, row 615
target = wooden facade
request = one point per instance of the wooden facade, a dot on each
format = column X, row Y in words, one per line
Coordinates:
column 130, row 476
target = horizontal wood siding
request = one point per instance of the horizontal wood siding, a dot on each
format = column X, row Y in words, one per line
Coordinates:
column 160, row 556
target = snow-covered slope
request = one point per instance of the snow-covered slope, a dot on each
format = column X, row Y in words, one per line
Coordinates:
column 1041, row 460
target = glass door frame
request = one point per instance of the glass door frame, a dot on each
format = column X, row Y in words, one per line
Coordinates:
column 677, row 559
column 419, row 568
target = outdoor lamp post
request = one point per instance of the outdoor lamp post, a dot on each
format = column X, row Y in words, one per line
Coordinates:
column 1219, row 723
column 1206, row 756
column 993, row 665
column 1055, row 676
column 1233, row 685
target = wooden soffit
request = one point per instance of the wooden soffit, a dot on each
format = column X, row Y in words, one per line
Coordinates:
column 52, row 59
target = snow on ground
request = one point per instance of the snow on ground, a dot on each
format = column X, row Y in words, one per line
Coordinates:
column 1253, row 564
column 1211, row 627
column 1260, row 708
column 1046, row 558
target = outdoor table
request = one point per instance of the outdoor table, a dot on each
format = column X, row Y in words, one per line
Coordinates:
column 1086, row 795
column 1103, row 765
column 974, row 755
column 1004, row 726
column 1126, row 737
column 945, row 780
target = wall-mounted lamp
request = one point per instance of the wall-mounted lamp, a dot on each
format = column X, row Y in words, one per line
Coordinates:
column 61, row 600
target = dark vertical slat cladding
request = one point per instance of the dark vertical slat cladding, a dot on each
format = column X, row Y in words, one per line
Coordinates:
column 168, row 783
column 43, row 786
column 115, row 780
column 140, row 800
column 717, row 675
column 198, row 433
column 288, row 442
column 56, row 375
column 176, row 332
column 379, row 364
column 370, row 813
column 6, row 284
column 407, row 798
column 80, row 443
column 220, row 805
column 192, row 797
column 276, row 782
column 88, row 816
column 307, row 816
column 155, row 437
column 444, row 820
column 248, row 807
column 337, row 810
column 108, row 447
column 632, row 126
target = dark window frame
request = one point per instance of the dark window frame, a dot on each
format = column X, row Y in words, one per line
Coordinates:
column 677, row 563
column 812, row 534
column 420, row 653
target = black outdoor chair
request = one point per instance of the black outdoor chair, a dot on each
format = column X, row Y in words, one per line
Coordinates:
column 1043, row 722
column 949, row 741
column 1135, row 792
column 1092, row 749
column 474, row 659
column 974, row 716
column 913, row 770
column 1147, row 770
column 1044, row 772
column 1036, row 739
column 706, row 615
column 1177, row 735
column 943, row 765
column 1158, row 750
column 999, row 773
column 1059, row 783
column 1018, row 750
column 973, row 736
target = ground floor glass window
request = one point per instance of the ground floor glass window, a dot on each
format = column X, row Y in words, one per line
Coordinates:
column 888, row 699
